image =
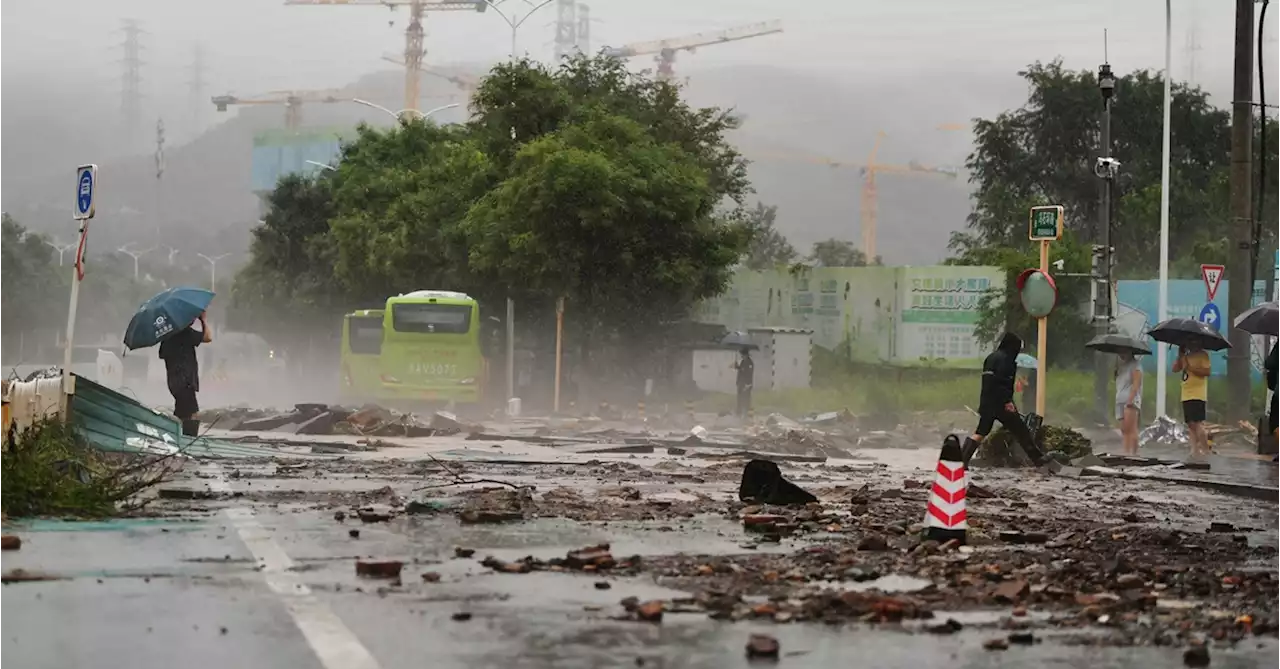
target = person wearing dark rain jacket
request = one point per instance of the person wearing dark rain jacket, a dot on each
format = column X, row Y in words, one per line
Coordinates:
column 999, row 373
column 182, row 371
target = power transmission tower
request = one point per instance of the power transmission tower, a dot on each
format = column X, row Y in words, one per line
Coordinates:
column 1191, row 47
column 131, row 77
column 566, row 29
column 196, row 86
column 582, row 40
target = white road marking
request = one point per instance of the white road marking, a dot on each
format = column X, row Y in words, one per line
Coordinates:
column 334, row 644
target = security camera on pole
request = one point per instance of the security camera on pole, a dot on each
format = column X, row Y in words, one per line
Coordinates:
column 86, row 194
column 1103, row 313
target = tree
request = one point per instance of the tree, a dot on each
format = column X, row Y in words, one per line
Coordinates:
column 839, row 253
column 290, row 268
column 767, row 248
column 1044, row 153
column 32, row 283
column 585, row 181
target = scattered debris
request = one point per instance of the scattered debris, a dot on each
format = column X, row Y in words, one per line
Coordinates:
column 431, row 577
column 462, row 616
column 1001, row 449
column 10, row 542
column 996, row 644
column 762, row 646
column 379, row 568
column 762, row 482
column 353, row 533
column 24, row 575
column 1196, row 656
column 460, row 552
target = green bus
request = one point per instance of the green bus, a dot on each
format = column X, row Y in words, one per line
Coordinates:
column 361, row 350
column 423, row 346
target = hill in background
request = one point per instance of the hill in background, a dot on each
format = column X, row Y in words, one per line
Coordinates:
column 793, row 121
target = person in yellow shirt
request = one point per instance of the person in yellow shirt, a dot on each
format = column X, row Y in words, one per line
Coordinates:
column 1195, row 365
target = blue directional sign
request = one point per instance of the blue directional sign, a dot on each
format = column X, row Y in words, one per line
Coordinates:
column 1211, row 316
column 86, row 190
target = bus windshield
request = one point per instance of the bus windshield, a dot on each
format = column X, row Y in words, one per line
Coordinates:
column 431, row 318
column 365, row 334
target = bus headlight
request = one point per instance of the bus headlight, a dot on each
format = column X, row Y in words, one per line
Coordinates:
column 467, row 381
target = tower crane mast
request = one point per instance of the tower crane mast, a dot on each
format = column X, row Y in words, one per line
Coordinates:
column 413, row 34
column 665, row 49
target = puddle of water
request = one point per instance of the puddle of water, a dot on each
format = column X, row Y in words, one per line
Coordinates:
column 887, row 583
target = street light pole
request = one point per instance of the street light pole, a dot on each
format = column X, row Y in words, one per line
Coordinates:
column 516, row 23
column 135, row 255
column 213, row 268
column 60, row 248
column 1162, row 352
column 400, row 115
column 1103, row 312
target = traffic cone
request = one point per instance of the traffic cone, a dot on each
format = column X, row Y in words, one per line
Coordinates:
column 945, row 518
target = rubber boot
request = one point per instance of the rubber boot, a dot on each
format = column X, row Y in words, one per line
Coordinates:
column 190, row 427
column 966, row 452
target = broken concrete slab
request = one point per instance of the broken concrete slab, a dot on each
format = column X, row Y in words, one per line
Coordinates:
column 319, row 424
column 267, row 424
column 1089, row 460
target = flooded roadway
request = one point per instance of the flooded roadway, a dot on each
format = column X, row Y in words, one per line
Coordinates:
column 204, row 587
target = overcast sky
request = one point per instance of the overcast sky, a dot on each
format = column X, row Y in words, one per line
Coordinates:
column 259, row 45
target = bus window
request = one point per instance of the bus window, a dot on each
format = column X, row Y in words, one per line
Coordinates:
column 434, row 318
column 365, row 334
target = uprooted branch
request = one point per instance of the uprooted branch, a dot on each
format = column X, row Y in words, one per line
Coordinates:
column 459, row 479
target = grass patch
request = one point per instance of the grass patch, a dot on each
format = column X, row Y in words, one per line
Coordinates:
column 49, row 470
column 889, row 392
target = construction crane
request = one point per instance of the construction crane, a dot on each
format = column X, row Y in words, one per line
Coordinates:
column 413, row 34
column 869, row 206
column 292, row 101
column 465, row 82
column 665, row 50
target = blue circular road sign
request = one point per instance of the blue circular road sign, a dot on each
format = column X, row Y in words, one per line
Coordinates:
column 84, row 192
column 1211, row 316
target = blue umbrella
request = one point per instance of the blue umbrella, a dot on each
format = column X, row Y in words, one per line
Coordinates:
column 165, row 315
column 1024, row 361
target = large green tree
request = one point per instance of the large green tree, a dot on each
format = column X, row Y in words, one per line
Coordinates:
column 1044, row 152
column 839, row 253
column 33, row 287
column 585, row 181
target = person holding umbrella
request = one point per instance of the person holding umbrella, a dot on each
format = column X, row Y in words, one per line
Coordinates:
column 746, row 368
column 1193, row 339
column 167, row 320
column 1195, row 366
column 1128, row 399
column 1128, row 383
column 1264, row 320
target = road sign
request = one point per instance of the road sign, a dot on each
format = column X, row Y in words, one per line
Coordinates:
column 1212, row 279
column 86, row 191
column 1046, row 223
column 1211, row 316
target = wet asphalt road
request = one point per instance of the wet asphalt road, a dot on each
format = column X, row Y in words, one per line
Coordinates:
column 213, row 590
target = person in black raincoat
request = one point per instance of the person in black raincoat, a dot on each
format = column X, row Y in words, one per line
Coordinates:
column 746, row 380
column 182, row 369
column 999, row 373
column 1272, row 366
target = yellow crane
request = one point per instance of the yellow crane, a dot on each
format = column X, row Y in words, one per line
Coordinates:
column 665, row 49
column 465, row 82
column 292, row 101
column 869, row 205
column 413, row 34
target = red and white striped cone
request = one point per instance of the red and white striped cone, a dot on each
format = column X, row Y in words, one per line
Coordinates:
column 945, row 518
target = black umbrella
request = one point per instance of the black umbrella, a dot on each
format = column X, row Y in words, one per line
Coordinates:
column 738, row 339
column 1260, row 320
column 1118, row 343
column 1189, row 332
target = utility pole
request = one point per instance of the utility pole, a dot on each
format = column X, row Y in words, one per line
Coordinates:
column 1241, row 211
column 131, row 79
column 566, row 29
column 159, row 156
column 582, row 38
column 196, row 87
column 1103, row 256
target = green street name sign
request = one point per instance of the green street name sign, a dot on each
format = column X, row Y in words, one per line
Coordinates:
column 1046, row 223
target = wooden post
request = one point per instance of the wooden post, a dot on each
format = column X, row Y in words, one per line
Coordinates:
column 1042, row 337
